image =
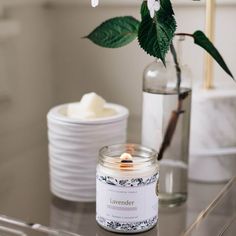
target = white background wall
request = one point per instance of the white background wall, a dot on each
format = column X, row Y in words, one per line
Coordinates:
column 26, row 63
column 116, row 74
column 48, row 63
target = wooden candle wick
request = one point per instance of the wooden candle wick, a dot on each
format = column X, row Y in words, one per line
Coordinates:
column 126, row 161
column 208, row 82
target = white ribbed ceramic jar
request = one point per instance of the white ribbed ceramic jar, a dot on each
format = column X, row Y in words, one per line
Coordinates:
column 126, row 200
column 73, row 150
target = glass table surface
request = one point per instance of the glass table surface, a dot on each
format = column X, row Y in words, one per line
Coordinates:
column 219, row 218
column 25, row 196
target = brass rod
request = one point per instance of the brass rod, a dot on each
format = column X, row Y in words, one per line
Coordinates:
column 210, row 32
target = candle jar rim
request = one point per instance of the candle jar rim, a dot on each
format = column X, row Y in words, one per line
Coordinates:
column 109, row 156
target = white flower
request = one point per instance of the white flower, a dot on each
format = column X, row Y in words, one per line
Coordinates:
column 153, row 6
column 94, row 3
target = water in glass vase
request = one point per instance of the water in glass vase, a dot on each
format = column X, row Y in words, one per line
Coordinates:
column 158, row 105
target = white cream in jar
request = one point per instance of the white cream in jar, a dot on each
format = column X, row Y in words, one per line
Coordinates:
column 126, row 196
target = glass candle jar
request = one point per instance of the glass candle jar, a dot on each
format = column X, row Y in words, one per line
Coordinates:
column 126, row 199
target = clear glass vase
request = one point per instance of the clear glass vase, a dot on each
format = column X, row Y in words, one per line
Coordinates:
column 160, row 100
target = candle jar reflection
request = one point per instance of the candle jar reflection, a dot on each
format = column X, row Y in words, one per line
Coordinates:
column 76, row 217
column 177, row 216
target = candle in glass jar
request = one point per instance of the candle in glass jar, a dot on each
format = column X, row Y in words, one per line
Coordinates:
column 126, row 199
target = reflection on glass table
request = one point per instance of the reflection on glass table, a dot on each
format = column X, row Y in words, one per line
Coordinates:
column 219, row 218
column 79, row 218
column 10, row 226
column 25, row 195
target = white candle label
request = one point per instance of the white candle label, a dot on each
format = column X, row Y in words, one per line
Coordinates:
column 127, row 204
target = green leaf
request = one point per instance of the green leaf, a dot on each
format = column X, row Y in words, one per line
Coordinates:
column 155, row 35
column 115, row 32
column 201, row 40
column 167, row 6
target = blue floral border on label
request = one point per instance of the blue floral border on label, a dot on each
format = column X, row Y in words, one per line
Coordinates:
column 132, row 182
column 127, row 227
